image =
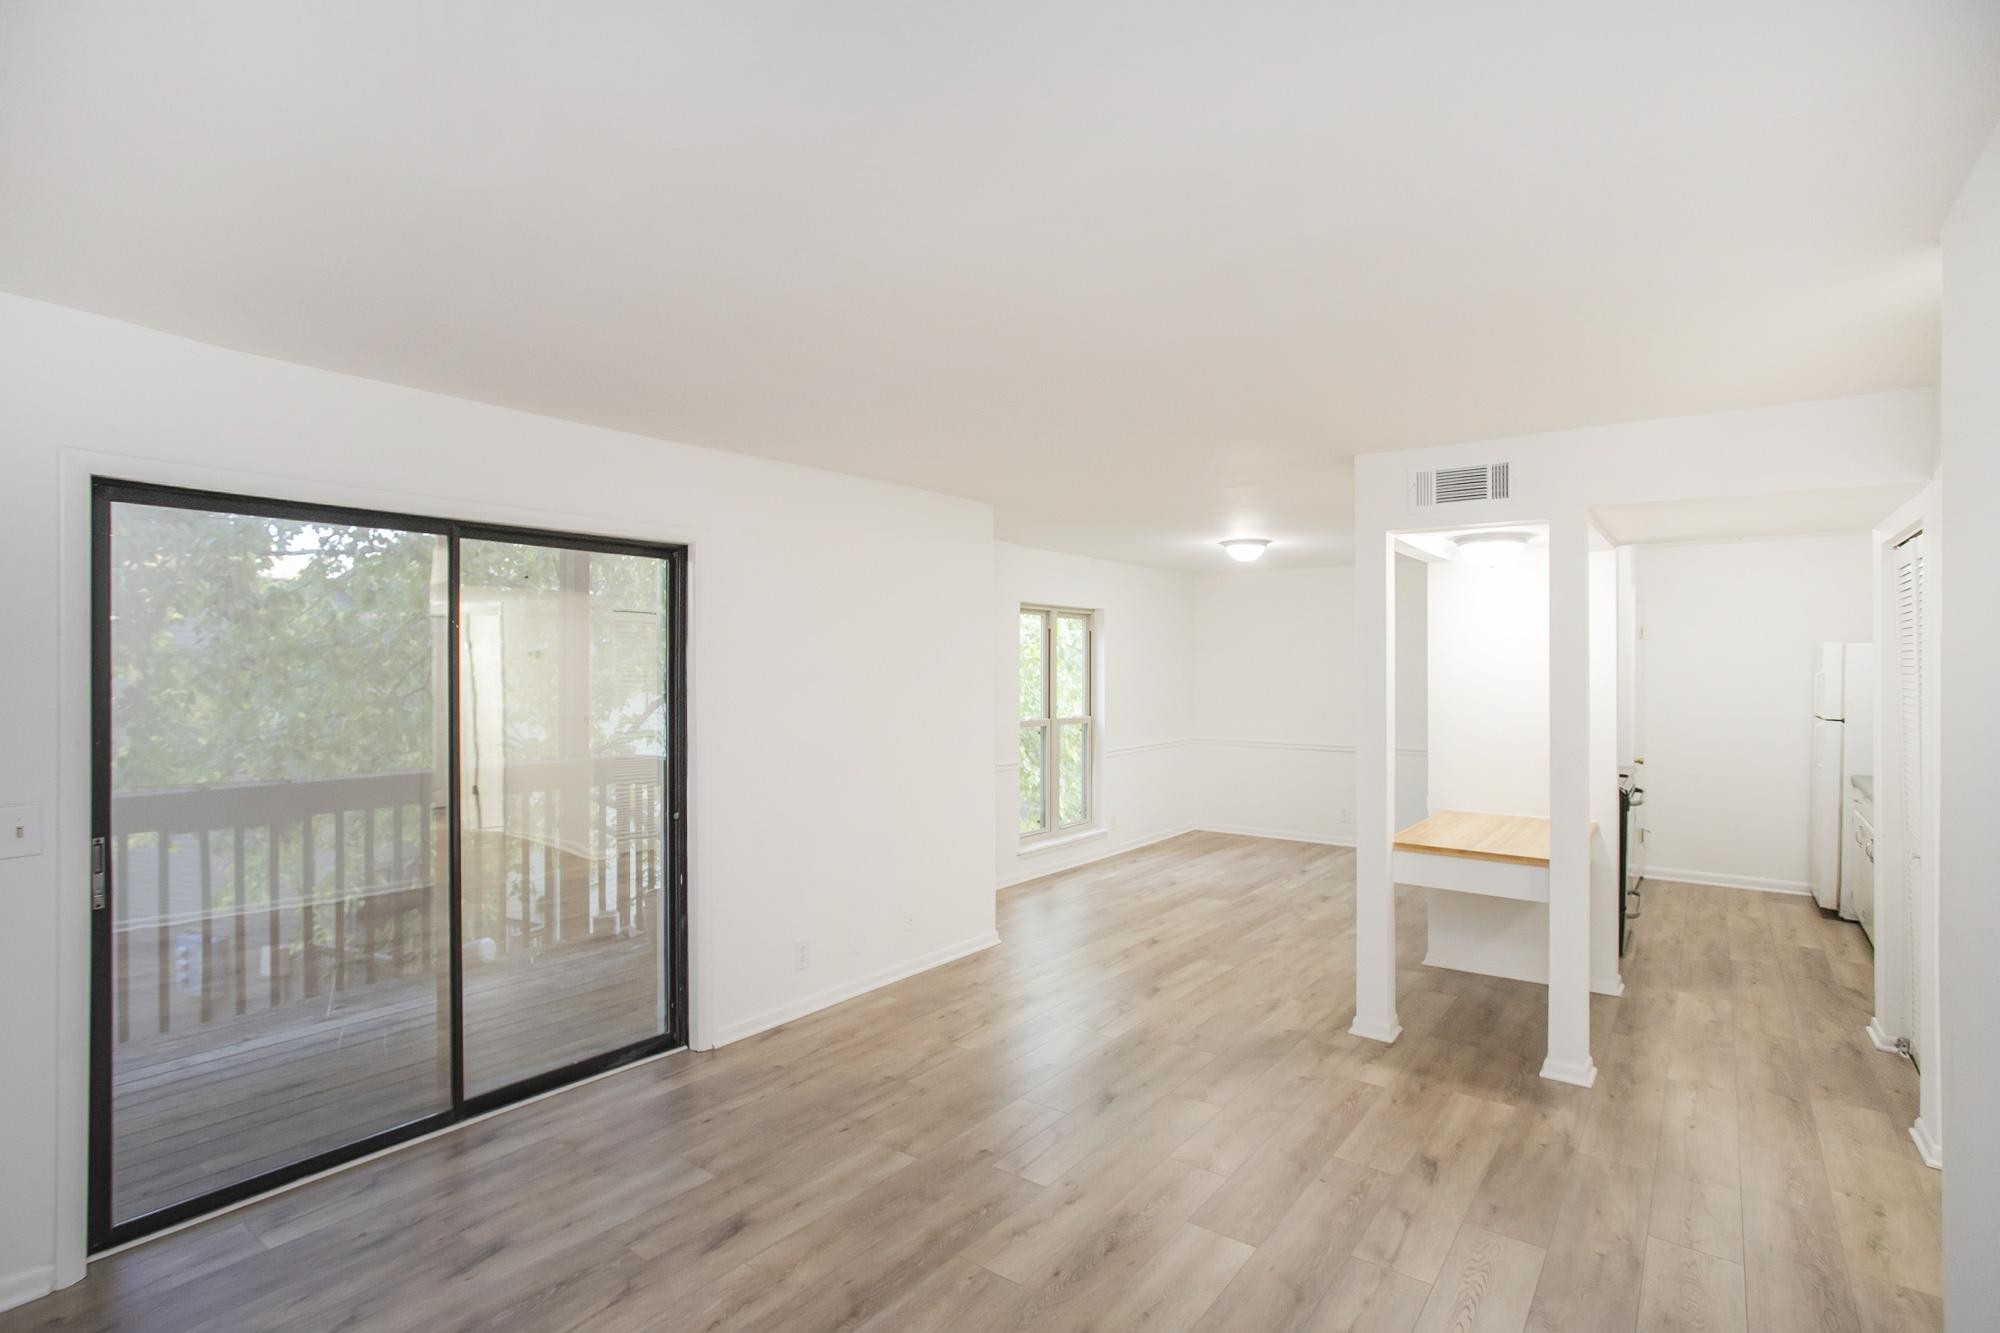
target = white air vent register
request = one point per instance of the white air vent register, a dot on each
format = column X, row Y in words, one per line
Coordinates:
column 1458, row 485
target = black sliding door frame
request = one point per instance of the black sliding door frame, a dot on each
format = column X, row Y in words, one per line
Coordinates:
column 104, row 1231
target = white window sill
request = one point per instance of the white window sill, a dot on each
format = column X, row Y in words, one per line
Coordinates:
column 1059, row 841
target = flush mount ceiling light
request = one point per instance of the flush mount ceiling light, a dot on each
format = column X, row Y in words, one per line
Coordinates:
column 1491, row 550
column 1245, row 549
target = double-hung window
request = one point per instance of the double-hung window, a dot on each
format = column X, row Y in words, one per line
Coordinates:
column 1056, row 719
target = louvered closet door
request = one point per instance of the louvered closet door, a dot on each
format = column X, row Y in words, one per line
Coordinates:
column 1910, row 761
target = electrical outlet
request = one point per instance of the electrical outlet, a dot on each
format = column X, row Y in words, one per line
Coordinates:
column 801, row 955
column 20, row 830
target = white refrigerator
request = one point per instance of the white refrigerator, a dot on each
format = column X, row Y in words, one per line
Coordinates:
column 1843, row 741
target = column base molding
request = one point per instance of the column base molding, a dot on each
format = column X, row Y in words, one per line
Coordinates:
column 1384, row 1030
column 1928, row 1147
column 1582, row 1072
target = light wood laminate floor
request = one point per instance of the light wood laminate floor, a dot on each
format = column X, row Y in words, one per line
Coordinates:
column 1143, row 1110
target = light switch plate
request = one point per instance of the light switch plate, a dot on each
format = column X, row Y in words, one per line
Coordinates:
column 20, row 831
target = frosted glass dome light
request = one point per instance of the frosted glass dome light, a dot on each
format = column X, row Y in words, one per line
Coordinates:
column 1491, row 550
column 1245, row 549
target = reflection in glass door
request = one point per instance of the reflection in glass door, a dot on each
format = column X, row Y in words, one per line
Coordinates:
column 386, row 832
column 275, row 750
column 563, row 749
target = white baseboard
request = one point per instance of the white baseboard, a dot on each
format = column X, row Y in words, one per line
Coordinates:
column 1928, row 1146
column 1279, row 834
column 1102, row 853
column 832, row 995
column 1106, row 852
column 1582, row 1072
column 1612, row 986
column 27, row 1285
column 1713, row 879
column 1880, row 1036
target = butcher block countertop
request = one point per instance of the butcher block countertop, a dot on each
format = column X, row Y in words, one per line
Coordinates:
column 1521, row 840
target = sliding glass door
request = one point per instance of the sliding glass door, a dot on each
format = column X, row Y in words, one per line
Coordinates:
column 387, row 831
column 563, row 762
column 276, row 769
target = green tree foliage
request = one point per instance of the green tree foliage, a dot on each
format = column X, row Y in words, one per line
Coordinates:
column 252, row 650
column 262, row 650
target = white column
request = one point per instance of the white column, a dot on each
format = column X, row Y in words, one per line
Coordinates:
column 1569, row 802
column 1605, row 886
column 1375, row 790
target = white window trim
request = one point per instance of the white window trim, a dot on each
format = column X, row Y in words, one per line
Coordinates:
column 1054, row 833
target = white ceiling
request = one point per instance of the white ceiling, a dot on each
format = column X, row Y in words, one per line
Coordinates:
column 1142, row 275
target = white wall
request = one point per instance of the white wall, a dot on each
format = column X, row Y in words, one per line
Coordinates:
column 1489, row 686
column 1145, row 646
column 1275, row 696
column 841, row 680
column 1226, row 702
column 1969, row 618
column 1732, row 631
column 1489, row 718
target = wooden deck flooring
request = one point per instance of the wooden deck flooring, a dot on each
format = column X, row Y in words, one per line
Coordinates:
column 209, row 1105
column 1143, row 1110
